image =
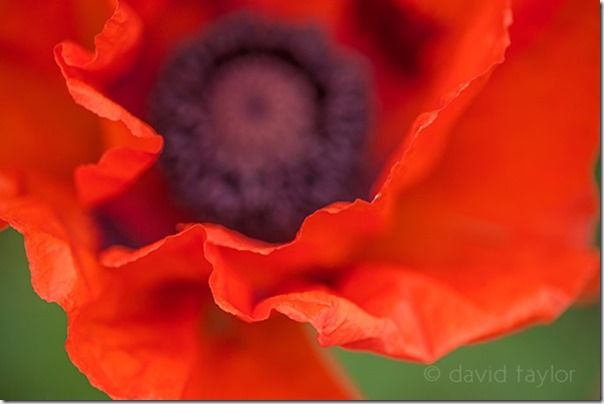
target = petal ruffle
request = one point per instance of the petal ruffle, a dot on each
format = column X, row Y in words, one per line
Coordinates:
column 132, row 44
column 472, row 43
column 59, row 237
column 154, row 333
column 132, row 145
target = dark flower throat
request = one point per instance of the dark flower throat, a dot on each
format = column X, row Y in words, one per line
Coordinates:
column 263, row 124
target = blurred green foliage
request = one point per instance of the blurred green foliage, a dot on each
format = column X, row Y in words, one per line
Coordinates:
column 33, row 361
column 34, row 365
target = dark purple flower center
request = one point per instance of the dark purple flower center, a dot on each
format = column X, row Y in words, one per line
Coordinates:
column 263, row 124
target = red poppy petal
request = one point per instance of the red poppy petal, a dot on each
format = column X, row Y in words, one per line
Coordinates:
column 61, row 135
column 60, row 268
column 410, row 315
column 475, row 40
column 507, row 219
column 529, row 184
column 58, row 19
column 144, row 326
column 133, row 145
column 535, row 168
column 154, row 333
column 204, row 354
column 422, row 54
column 497, row 237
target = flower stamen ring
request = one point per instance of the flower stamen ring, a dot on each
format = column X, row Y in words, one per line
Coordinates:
column 263, row 124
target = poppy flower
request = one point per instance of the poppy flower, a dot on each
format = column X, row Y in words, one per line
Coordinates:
column 201, row 177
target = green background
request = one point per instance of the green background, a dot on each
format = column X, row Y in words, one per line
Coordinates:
column 34, row 365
